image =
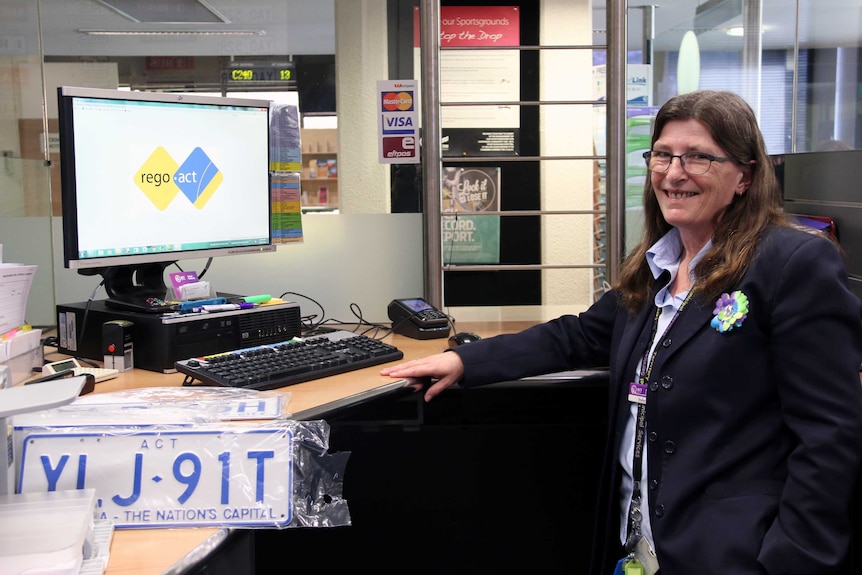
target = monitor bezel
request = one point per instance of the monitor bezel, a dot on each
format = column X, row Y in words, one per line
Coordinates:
column 69, row 184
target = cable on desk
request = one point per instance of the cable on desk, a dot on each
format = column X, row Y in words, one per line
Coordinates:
column 311, row 327
column 87, row 312
column 308, row 325
column 53, row 341
column 370, row 329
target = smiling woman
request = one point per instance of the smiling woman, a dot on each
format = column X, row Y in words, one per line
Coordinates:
column 693, row 194
column 718, row 274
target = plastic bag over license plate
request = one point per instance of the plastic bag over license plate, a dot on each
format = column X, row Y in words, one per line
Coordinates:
column 174, row 478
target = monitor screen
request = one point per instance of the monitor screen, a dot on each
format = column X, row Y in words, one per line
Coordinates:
column 155, row 177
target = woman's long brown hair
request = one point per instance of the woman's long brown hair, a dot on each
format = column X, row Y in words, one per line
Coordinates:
column 733, row 125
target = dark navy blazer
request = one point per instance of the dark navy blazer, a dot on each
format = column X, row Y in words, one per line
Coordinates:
column 754, row 435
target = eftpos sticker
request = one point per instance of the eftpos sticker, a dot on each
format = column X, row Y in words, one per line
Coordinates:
column 398, row 127
column 399, row 149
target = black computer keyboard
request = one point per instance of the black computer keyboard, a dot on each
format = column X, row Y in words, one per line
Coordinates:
column 286, row 363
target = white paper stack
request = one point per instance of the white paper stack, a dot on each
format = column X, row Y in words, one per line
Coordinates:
column 20, row 347
column 53, row 533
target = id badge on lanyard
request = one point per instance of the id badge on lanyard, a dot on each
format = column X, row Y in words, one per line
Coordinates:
column 637, row 392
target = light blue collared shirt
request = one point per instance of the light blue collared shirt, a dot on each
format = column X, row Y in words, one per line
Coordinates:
column 663, row 256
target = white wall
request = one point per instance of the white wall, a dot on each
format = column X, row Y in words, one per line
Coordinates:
column 361, row 56
column 566, row 130
column 362, row 259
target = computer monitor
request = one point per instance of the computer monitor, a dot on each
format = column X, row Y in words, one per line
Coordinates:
column 149, row 178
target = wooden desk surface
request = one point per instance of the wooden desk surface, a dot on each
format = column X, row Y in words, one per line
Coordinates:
column 155, row 551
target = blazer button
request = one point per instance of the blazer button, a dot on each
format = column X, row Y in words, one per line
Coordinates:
column 653, row 484
column 669, row 447
column 667, row 342
column 659, row 510
column 652, row 436
column 653, row 386
column 667, row 382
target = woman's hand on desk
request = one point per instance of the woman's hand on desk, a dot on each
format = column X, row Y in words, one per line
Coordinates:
column 444, row 369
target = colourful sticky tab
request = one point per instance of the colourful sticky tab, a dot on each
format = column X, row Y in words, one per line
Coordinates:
column 257, row 298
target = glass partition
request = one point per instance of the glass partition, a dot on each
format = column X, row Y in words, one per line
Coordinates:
column 797, row 62
column 25, row 186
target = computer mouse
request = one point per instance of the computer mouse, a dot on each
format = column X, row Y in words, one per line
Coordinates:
column 462, row 337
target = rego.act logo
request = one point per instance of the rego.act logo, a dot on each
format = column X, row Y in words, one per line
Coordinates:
column 161, row 179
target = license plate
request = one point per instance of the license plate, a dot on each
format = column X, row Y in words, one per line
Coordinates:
column 176, row 478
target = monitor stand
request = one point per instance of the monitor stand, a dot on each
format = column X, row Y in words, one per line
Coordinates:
column 134, row 287
column 130, row 303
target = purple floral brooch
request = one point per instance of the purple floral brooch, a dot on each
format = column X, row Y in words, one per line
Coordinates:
column 730, row 311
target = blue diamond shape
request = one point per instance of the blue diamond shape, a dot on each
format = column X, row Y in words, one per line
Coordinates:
column 195, row 174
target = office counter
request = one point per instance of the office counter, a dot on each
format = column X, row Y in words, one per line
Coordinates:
column 477, row 481
column 157, row 551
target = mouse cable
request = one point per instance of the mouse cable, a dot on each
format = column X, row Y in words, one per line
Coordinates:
column 206, row 267
column 310, row 325
column 372, row 330
column 87, row 312
column 376, row 328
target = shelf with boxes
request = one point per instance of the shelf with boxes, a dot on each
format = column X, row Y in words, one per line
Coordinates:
column 319, row 178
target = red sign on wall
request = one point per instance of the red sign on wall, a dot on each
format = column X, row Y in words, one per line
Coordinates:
column 169, row 63
column 475, row 26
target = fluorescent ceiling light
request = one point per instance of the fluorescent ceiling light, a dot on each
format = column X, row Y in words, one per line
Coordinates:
column 95, row 32
column 713, row 14
column 166, row 11
column 739, row 31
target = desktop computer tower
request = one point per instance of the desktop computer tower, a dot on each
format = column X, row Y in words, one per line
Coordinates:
column 161, row 340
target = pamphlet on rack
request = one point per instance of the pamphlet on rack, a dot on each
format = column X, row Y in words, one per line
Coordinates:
column 15, row 282
column 20, row 347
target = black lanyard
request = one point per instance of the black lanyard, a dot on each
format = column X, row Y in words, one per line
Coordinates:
column 635, row 517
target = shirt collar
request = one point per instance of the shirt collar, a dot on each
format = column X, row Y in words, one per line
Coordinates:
column 665, row 254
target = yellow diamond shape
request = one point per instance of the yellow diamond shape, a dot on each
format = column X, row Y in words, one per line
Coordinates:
column 155, row 178
column 209, row 190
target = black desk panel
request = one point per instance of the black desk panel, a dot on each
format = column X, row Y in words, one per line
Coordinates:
column 478, row 481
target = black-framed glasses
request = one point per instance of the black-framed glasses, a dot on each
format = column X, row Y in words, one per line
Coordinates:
column 694, row 163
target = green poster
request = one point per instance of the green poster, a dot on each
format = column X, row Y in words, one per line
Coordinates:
column 468, row 236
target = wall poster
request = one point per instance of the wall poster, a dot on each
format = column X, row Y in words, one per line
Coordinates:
column 471, row 239
column 477, row 76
